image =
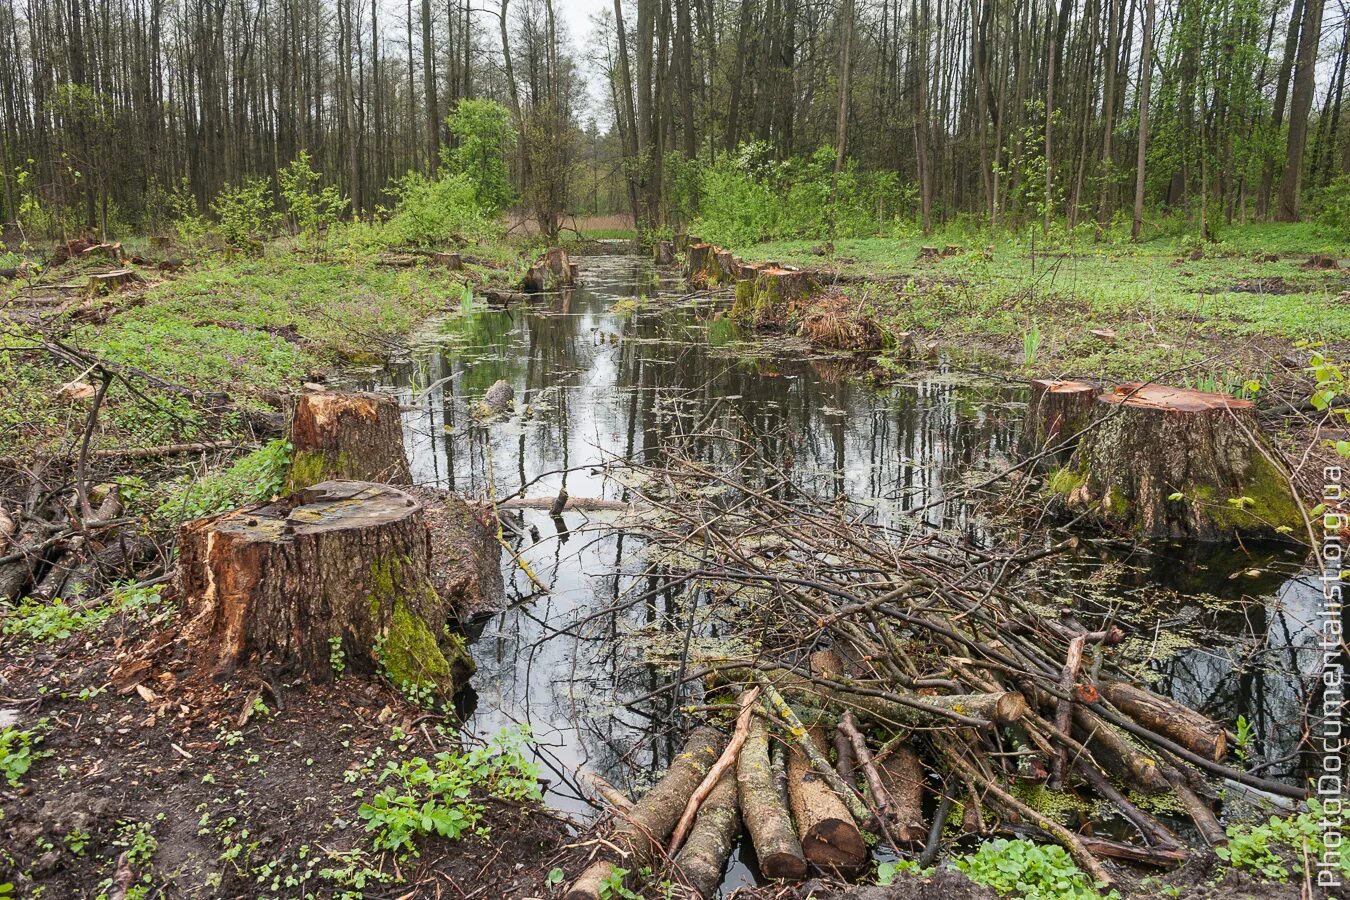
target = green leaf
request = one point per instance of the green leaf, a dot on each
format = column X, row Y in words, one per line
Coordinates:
column 1176, row 495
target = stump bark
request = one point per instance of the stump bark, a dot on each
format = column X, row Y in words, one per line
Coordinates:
column 1056, row 411
column 664, row 253
column 551, row 272
column 341, row 436
column 342, row 565
column 1174, row 462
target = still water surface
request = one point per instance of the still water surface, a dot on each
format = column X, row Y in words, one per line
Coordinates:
column 601, row 383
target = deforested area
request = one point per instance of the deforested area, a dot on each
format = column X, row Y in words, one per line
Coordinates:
column 756, row 449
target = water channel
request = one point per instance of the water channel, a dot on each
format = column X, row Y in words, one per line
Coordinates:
column 607, row 371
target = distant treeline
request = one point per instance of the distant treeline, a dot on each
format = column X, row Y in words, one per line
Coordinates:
column 112, row 112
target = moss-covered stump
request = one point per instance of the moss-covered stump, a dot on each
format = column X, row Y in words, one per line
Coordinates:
column 336, row 576
column 1173, row 462
column 552, row 271
column 1056, row 411
column 347, row 436
column 699, row 261
column 709, row 265
column 769, row 296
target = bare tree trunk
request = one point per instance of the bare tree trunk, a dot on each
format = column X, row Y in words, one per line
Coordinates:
column 1299, row 107
column 1145, row 74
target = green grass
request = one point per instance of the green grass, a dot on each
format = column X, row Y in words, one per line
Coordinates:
column 1165, row 308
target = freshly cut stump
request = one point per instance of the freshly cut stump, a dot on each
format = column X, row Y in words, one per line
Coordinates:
column 347, row 436
column 830, row 838
column 551, row 272
column 703, row 858
column 1056, row 411
column 644, row 830
column 766, row 817
column 342, row 564
column 1174, row 462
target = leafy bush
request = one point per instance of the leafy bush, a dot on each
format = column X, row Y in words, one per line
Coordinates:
column 435, row 797
column 16, row 751
column 253, row 478
column 1254, row 847
column 247, row 216
column 750, row 197
column 310, row 209
column 435, row 212
column 1334, row 212
column 485, row 134
column 1028, row 870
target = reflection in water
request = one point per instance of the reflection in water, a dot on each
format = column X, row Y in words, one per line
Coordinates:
column 597, row 386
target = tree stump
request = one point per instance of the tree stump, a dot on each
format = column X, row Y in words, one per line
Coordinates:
column 767, row 299
column 1056, row 411
column 553, row 271
column 340, row 567
column 450, row 260
column 700, row 261
column 664, row 253
column 111, row 282
column 347, row 436
column 1174, row 462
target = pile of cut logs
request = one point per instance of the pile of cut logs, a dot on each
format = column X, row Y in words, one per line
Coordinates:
column 942, row 697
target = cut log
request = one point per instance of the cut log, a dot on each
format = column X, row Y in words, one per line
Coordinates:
column 664, row 253
column 766, row 817
column 1056, row 411
column 1201, row 815
column 1167, row 717
column 902, row 775
column 642, row 834
column 342, row 563
column 829, row 836
column 1173, row 462
column 1000, row 707
column 703, row 859
column 340, row 436
column 1116, row 754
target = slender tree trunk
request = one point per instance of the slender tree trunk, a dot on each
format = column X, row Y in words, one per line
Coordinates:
column 845, row 73
column 1145, row 76
column 1300, row 105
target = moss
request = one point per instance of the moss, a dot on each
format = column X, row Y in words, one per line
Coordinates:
column 1273, row 506
column 1115, row 503
column 309, row 467
column 411, row 653
column 1065, row 481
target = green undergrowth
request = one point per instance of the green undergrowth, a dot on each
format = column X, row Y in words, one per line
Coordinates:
column 1164, row 302
column 421, row 797
column 254, row 477
column 31, row 621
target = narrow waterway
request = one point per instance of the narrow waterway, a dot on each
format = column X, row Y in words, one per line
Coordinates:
column 608, row 371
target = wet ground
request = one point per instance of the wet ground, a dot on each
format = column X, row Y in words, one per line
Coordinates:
column 608, row 371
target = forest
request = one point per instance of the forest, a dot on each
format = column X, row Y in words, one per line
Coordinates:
column 756, row 449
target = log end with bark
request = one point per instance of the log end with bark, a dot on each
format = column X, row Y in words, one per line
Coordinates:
column 339, row 567
column 347, row 436
column 1174, row 462
column 830, row 837
column 777, row 846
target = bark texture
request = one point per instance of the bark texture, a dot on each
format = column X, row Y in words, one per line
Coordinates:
column 643, row 832
column 902, row 775
column 1167, row 717
column 1173, row 462
column 341, row 436
column 830, row 837
column 342, row 564
column 766, row 817
column 702, row 860
column 1057, row 410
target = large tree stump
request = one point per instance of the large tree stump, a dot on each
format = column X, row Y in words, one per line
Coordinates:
column 342, row 564
column 773, row 291
column 664, row 253
column 1174, row 462
column 339, row 436
column 1056, row 411
column 550, row 273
